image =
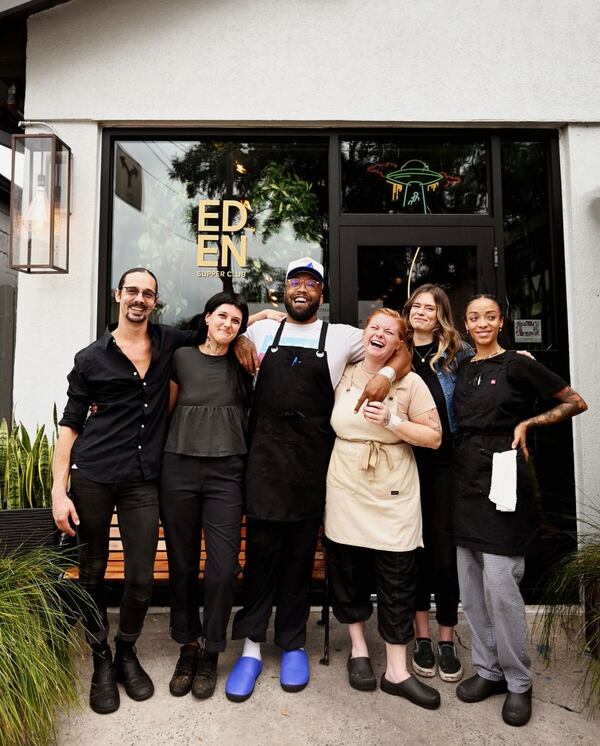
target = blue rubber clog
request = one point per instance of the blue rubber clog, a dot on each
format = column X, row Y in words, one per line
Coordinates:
column 242, row 678
column 295, row 671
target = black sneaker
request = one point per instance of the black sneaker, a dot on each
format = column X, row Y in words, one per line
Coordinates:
column 448, row 662
column 205, row 679
column 423, row 661
column 185, row 670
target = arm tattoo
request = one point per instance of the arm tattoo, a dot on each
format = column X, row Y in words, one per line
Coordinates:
column 434, row 420
column 570, row 405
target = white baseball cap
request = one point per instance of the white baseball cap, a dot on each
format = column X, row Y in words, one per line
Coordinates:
column 306, row 264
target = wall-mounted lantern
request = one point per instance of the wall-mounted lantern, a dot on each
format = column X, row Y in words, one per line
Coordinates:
column 40, row 204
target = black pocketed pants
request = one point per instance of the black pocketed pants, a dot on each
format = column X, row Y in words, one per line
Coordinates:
column 278, row 571
column 355, row 572
column 201, row 493
column 436, row 561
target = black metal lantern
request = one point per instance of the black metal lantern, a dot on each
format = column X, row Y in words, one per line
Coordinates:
column 40, row 204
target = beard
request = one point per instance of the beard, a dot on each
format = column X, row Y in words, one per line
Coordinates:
column 301, row 314
column 136, row 319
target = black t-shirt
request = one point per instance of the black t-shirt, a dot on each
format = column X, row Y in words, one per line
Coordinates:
column 488, row 402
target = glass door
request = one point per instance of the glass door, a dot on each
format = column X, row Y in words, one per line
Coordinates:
column 381, row 266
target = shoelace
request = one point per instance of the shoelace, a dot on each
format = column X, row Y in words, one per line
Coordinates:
column 185, row 664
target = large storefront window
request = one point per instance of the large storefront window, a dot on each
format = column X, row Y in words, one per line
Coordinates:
column 408, row 174
column 213, row 215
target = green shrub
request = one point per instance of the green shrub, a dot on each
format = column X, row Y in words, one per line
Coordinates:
column 25, row 466
column 37, row 666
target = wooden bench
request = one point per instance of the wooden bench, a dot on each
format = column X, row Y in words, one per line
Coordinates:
column 115, row 570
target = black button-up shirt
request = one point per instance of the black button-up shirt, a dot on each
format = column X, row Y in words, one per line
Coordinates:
column 123, row 440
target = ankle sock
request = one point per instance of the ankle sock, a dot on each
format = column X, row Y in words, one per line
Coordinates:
column 251, row 649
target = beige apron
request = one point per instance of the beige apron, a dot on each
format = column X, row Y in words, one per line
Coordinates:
column 373, row 497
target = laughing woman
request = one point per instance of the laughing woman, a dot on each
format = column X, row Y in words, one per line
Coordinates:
column 201, row 489
column 494, row 512
column 373, row 513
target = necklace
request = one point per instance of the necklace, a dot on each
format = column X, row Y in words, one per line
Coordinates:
column 499, row 351
column 424, row 357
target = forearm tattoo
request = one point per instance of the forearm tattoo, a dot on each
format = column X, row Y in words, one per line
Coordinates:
column 433, row 420
column 570, row 405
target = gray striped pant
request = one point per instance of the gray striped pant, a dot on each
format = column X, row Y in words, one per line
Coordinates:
column 495, row 610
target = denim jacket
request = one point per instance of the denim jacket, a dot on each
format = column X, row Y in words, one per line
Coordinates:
column 447, row 381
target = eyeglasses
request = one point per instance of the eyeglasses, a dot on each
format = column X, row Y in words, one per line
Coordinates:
column 295, row 282
column 132, row 292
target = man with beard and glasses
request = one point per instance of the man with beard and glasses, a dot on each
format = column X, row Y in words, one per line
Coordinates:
column 301, row 362
column 112, row 458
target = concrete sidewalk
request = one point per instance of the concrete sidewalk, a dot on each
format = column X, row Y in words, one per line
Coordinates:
column 328, row 711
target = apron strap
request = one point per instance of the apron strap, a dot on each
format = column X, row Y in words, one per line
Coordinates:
column 321, row 349
column 275, row 345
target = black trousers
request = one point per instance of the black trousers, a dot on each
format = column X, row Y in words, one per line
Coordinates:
column 437, row 560
column 278, row 569
column 201, row 493
column 355, row 572
column 137, row 508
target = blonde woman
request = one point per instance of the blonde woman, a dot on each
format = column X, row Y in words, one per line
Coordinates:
column 372, row 512
column 437, row 350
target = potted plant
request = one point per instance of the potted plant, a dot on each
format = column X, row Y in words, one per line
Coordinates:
column 37, row 667
column 25, row 487
column 572, row 609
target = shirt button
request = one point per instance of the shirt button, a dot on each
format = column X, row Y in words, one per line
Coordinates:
column 135, row 373
column 144, row 383
column 143, row 426
column 139, row 448
column 145, row 405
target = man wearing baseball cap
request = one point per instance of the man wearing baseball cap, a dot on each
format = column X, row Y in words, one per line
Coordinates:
column 301, row 362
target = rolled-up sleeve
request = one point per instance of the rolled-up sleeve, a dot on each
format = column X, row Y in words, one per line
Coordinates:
column 76, row 410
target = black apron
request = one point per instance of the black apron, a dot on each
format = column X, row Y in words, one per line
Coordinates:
column 477, row 524
column 290, row 435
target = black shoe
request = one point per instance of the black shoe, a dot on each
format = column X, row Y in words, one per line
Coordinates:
column 448, row 663
column 205, row 679
column 423, row 661
column 104, row 693
column 414, row 691
column 517, row 708
column 476, row 689
column 185, row 670
column 130, row 673
column 360, row 674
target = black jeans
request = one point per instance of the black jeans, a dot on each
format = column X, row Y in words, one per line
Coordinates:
column 355, row 572
column 137, row 508
column 437, row 560
column 278, row 570
column 201, row 493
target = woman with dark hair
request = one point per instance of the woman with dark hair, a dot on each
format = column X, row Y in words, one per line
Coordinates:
column 201, row 488
column 494, row 513
column 437, row 350
column 372, row 510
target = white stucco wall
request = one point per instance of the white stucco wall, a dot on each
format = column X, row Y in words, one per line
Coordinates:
column 315, row 60
column 580, row 154
column 399, row 62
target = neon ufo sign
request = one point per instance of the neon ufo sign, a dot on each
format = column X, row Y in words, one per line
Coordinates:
column 414, row 179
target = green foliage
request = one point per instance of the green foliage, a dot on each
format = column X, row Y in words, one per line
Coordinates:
column 37, row 672
column 577, row 577
column 25, row 466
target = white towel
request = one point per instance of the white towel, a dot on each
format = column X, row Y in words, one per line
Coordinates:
column 503, row 490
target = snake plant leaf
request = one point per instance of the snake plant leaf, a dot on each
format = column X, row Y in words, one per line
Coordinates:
column 12, row 482
column 44, row 467
column 25, row 439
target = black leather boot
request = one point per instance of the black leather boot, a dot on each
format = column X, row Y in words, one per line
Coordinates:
column 104, row 693
column 130, row 673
